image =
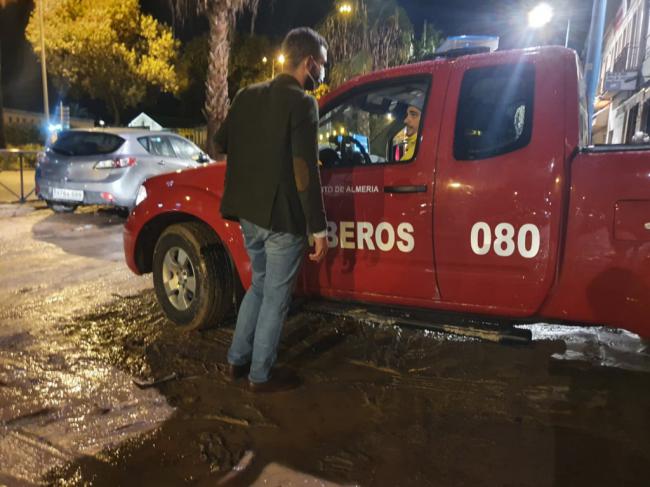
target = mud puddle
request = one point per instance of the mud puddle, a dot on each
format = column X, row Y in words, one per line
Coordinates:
column 379, row 405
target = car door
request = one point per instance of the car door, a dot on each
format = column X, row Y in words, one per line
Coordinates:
column 379, row 209
column 187, row 153
column 499, row 185
column 164, row 158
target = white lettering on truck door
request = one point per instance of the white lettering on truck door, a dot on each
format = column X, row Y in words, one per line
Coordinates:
column 365, row 236
column 504, row 242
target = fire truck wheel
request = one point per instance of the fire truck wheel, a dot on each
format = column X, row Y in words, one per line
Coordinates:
column 192, row 276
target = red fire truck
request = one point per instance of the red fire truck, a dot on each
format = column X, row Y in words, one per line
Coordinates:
column 501, row 209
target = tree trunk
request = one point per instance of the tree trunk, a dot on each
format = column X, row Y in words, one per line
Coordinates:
column 216, row 83
column 116, row 113
column 3, row 143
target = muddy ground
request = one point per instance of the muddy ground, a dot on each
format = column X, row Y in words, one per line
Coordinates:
column 379, row 405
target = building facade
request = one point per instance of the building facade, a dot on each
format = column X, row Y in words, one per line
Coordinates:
column 623, row 101
column 21, row 118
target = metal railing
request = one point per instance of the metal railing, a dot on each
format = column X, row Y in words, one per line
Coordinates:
column 17, row 161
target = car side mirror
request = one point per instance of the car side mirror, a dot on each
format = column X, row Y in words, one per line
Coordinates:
column 203, row 158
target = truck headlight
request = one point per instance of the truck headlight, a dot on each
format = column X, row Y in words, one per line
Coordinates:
column 141, row 196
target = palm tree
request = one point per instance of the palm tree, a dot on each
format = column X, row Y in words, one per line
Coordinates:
column 375, row 36
column 221, row 16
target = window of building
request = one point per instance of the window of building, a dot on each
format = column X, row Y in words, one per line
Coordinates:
column 630, row 127
column 379, row 125
column 495, row 111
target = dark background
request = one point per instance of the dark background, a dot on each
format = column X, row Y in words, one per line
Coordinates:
column 21, row 80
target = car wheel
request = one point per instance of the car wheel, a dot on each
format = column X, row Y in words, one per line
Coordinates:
column 122, row 212
column 61, row 207
column 193, row 276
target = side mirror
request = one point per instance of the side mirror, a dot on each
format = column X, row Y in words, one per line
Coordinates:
column 203, row 158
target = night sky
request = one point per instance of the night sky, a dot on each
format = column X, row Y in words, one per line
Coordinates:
column 505, row 18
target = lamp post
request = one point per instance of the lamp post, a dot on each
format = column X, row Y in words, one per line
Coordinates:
column 46, row 102
column 345, row 11
column 264, row 61
column 280, row 59
column 594, row 55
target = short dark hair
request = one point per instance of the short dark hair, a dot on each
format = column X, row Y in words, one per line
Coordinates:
column 301, row 43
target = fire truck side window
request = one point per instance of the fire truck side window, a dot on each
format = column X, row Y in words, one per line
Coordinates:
column 495, row 111
column 378, row 125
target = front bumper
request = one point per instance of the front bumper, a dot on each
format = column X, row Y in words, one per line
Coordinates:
column 129, row 236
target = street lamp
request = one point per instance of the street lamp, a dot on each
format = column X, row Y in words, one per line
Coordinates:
column 345, row 8
column 539, row 16
column 280, row 59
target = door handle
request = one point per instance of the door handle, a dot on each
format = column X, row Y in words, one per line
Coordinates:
column 406, row 189
column 161, row 163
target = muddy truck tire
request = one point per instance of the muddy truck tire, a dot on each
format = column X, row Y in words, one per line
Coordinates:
column 192, row 276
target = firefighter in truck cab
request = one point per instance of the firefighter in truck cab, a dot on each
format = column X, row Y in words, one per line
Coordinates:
column 406, row 139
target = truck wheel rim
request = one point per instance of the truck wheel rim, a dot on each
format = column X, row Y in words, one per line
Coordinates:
column 179, row 279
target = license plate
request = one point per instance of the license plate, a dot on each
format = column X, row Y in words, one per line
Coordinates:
column 67, row 194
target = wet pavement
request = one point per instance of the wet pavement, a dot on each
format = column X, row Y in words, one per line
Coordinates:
column 379, row 405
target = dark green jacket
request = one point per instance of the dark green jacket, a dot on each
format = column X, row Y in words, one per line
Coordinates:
column 270, row 137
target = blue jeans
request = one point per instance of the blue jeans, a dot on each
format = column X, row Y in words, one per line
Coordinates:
column 275, row 260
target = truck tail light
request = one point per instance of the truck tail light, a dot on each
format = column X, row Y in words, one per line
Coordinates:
column 116, row 163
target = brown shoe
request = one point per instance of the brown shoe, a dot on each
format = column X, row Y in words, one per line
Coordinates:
column 280, row 380
column 236, row 372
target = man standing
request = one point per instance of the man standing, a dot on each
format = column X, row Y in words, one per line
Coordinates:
column 273, row 188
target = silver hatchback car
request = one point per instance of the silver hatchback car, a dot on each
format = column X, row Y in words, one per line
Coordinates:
column 108, row 166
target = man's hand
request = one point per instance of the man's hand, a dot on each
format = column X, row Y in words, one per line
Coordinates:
column 320, row 249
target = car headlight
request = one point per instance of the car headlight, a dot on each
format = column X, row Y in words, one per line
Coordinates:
column 141, row 196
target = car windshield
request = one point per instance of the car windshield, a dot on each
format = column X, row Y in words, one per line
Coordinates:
column 86, row 143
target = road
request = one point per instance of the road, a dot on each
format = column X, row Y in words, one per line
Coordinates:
column 379, row 405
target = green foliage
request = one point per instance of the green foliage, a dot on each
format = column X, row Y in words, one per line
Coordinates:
column 321, row 91
column 349, row 68
column 22, row 134
column 246, row 66
column 193, row 67
column 376, row 35
column 107, row 49
column 426, row 44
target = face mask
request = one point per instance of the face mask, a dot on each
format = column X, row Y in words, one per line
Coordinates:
column 315, row 79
